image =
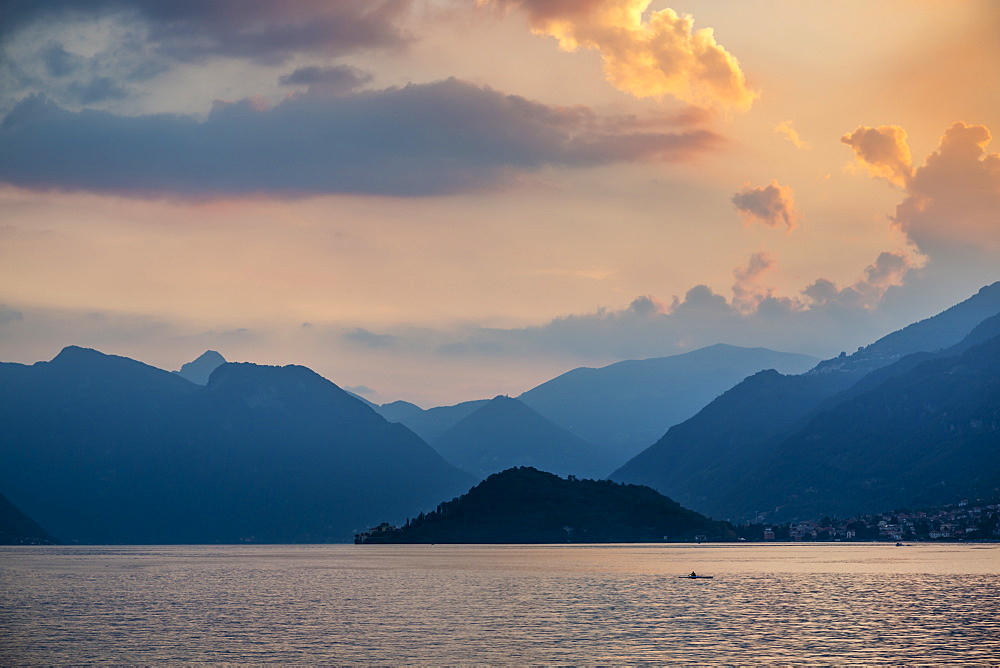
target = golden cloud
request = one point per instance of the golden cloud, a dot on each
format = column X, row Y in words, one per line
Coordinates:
column 883, row 152
column 652, row 57
column 786, row 130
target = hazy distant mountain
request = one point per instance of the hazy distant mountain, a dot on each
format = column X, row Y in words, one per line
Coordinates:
column 629, row 405
column 16, row 528
column 104, row 449
column 935, row 333
column 704, row 461
column 397, row 411
column 524, row 505
column 432, row 423
column 505, row 433
column 200, row 369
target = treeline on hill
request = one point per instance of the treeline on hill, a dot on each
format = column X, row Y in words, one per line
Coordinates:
column 525, row 505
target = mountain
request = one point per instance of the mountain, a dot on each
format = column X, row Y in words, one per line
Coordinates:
column 927, row 436
column 935, row 333
column 525, row 505
column 704, row 461
column 16, row 528
column 432, row 423
column 104, row 449
column 628, row 405
column 505, row 433
column 397, row 411
column 200, row 369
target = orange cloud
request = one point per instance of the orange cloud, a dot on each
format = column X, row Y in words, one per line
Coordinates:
column 953, row 201
column 883, row 152
column 771, row 205
column 786, row 130
column 660, row 55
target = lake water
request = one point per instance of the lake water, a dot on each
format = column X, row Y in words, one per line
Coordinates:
column 572, row 604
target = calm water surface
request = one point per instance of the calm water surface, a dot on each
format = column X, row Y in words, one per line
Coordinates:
column 617, row 604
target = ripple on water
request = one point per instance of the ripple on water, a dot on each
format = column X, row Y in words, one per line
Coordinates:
column 499, row 604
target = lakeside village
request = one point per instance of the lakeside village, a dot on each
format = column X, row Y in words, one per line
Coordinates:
column 967, row 520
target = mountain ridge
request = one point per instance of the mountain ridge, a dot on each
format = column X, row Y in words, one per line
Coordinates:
column 103, row 449
column 700, row 460
column 504, row 433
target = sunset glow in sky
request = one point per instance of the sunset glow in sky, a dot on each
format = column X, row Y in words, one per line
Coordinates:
column 442, row 200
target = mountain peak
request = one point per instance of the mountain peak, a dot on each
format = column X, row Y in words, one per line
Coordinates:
column 199, row 370
column 74, row 353
column 506, row 432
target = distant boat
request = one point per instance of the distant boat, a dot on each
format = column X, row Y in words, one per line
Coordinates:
column 695, row 577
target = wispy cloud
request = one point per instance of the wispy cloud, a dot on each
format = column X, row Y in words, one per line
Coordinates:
column 786, row 130
column 269, row 31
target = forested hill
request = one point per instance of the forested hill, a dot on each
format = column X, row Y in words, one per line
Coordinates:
column 525, row 505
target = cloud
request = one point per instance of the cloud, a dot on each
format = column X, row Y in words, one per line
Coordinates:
column 888, row 271
column 748, row 293
column 368, row 339
column 883, row 152
column 658, row 55
column 422, row 139
column 951, row 202
column 268, row 31
column 822, row 320
column 786, row 130
column 771, row 205
column 107, row 52
column 952, row 206
column 9, row 315
column 339, row 79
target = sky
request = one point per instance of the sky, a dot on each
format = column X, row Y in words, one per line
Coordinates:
column 444, row 200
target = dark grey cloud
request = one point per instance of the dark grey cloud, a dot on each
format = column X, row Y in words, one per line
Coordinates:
column 423, row 139
column 340, row 78
column 97, row 89
column 58, row 61
column 264, row 30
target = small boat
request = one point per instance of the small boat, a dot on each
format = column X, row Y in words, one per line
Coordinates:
column 695, row 577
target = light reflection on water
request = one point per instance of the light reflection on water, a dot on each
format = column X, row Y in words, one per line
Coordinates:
column 622, row 604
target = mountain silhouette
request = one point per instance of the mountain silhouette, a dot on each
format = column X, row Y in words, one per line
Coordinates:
column 200, row 369
column 397, row 411
column 104, row 449
column 706, row 461
column 430, row 424
column 925, row 436
column 505, row 433
column 525, row 505
column 628, row 405
column 16, row 528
